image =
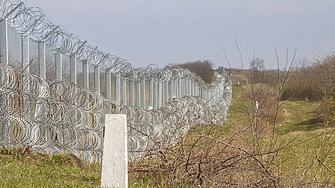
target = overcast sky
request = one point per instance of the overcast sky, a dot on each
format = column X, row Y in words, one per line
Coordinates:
column 178, row 31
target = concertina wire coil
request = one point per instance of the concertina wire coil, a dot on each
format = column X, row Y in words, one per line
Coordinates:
column 33, row 22
column 56, row 116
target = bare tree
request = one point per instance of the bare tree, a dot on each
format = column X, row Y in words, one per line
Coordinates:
column 256, row 67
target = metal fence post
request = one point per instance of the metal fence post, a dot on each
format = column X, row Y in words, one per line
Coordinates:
column 203, row 93
column 25, row 63
column 137, row 94
column 124, row 91
column 73, row 70
column 151, row 94
column 131, row 93
column 154, row 94
column 172, row 89
column 97, row 78
column 208, row 96
column 58, row 66
column 166, row 93
column 25, row 51
column 180, row 89
column 217, row 98
column 176, row 91
column 58, row 72
column 190, row 87
column 143, row 93
column 41, row 59
column 108, row 78
column 185, row 86
column 4, row 41
column 73, row 75
column 59, row 77
column 117, row 88
column 193, row 88
column 4, row 60
column 199, row 91
column 85, row 74
column 160, row 94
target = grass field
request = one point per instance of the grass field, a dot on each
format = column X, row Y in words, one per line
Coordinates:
column 300, row 126
column 21, row 168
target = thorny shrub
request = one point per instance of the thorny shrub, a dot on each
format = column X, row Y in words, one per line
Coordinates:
column 251, row 154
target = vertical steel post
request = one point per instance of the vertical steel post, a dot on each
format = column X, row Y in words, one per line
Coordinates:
column 58, row 72
column 73, row 70
column 131, row 93
column 108, row 84
column 203, row 93
column 85, row 74
column 25, row 63
column 160, row 94
column 222, row 91
column 176, row 86
column 186, row 86
column 166, row 92
column 182, row 87
column 41, row 60
column 217, row 93
column 151, row 94
column 208, row 96
column 97, row 78
column 4, row 41
column 58, row 66
column 143, row 93
column 124, row 91
column 189, row 87
column 172, row 89
column 155, row 94
column 137, row 94
column 108, row 78
column 196, row 90
column 117, row 88
column 73, row 79
column 193, row 88
column 59, row 77
column 25, row 51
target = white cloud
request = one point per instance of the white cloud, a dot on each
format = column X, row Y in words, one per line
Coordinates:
column 296, row 7
column 325, row 7
column 268, row 9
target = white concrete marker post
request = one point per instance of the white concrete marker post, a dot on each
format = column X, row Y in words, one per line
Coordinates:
column 115, row 157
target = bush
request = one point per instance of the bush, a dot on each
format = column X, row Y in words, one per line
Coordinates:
column 203, row 69
column 326, row 109
column 302, row 86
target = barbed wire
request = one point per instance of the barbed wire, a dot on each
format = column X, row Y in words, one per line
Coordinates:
column 58, row 116
column 32, row 21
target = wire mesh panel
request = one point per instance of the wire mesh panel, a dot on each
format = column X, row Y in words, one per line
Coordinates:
column 14, row 49
column 66, row 66
column 33, row 55
column 50, row 65
column 103, row 82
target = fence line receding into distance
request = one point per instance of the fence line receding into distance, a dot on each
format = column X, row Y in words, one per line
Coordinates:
column 50, row 102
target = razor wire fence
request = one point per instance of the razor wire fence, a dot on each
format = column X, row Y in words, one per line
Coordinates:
column 52, row 104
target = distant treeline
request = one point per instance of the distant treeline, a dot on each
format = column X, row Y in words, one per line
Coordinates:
column 203, row 69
